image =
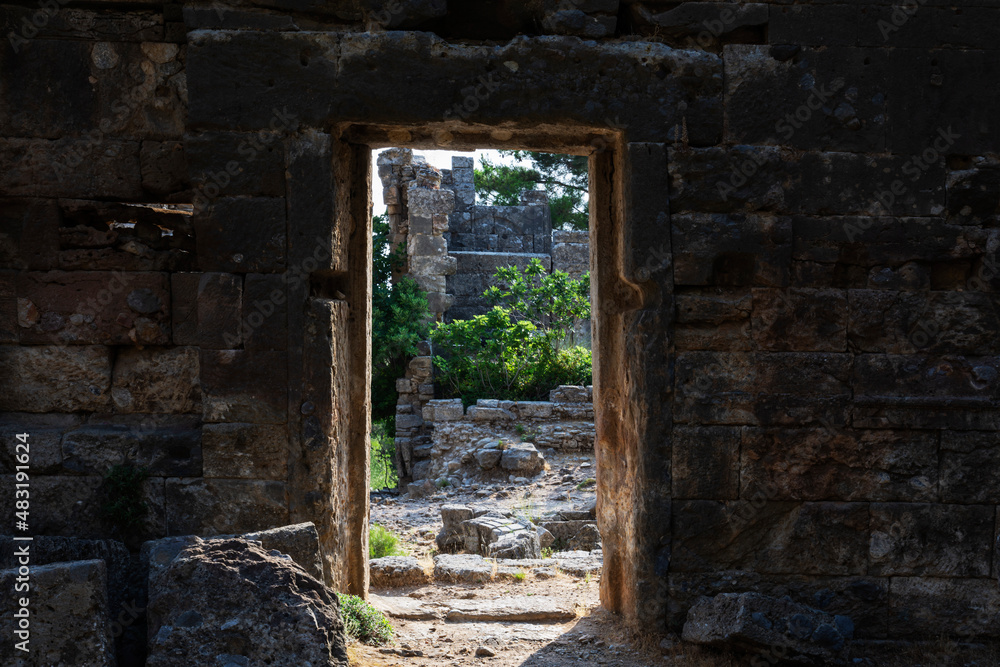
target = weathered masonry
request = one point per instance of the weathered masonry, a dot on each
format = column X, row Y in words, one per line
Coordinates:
column 795, row 265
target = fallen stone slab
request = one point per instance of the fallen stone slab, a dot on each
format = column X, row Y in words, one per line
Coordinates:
column 299, row 541
column 523, row 458
column 755, row 622
column 463, row 568
column 396, row 571
column 579, row 563
column 535, row 609
column 406, row 609
column 68, row 612
column 221, row 602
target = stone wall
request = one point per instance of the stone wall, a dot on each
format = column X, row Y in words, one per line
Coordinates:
column 794, row 231
column 564, row 423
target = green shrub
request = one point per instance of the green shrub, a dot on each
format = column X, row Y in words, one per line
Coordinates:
column 123, row 506
column 383, row 542
column 383, row 449
column 519, row 349
column 364, row 622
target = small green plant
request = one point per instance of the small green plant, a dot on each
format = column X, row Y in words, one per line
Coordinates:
column 124, row 507
column 383, row 542
column 520, row 428
column 520, row 577
column 443, row 483
column 383, row 451
column 586, row 484
column 526, row 435
column 547, row 552
column 364, row 622
column 586, row 578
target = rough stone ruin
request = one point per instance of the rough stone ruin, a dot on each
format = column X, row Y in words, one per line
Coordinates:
column 794, row 236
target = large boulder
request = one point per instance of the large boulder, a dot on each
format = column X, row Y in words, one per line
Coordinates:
column 516, row 545
column 451, row 538
column 760, row 623
column 587, row 539
column 229, row 601
column 522, row 458
column 68, row 617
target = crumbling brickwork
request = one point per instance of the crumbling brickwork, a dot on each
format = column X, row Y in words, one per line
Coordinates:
column 794, row 254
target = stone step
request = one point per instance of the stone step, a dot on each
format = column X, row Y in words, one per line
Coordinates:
column 520, row 608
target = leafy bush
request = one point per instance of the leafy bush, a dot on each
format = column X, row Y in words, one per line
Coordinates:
column 523, row 346
column 383, row 542
column 364, row 622
column 383, row 467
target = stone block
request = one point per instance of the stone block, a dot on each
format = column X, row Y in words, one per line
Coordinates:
column 164, row 167
column 931, row 540
column 156, row 380
column 770, row 537
column 165, row 446
column 236, row 163
column 44, row 437
column 918, row 391
column 731, row 250
column 84, row 374
column 800, row 320
column 839, row 464
column 533, row 409
column 713, row 320
column 265, row 312
column 569, row 394
column 970, row 461
column 112, row 308
column 246, row 451
column 522, row 458
column 720, row 180
column 756, row 622
column 300, row 541
column 71, row 167
column 218, row 590
column 481, row 414
column 220, row 506
column 207, row 309
column 763, row 388
column 244, row 386
column 830, row 98
column 242, row 235
column 864, row 599
column 70, row 505
column 29, row 233
column 396, row 572
column 893, row 322
column 439, row 265
column 705, row 462
column 446, row 409
column 922, row 607
column 69, row 614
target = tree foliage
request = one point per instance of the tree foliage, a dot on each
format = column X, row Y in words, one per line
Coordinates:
column 399, row 321
column 563, row 177
column 519, row 349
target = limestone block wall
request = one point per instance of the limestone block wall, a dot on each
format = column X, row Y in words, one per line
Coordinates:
column 795, row 236
column 565, row 423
